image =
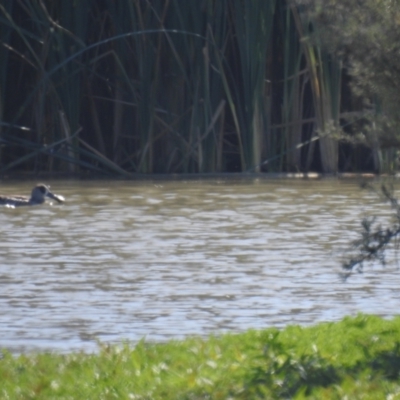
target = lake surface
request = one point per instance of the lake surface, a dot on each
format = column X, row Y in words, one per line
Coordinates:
column 166, row 259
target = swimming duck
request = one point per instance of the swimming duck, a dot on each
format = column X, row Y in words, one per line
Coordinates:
column 38, row 196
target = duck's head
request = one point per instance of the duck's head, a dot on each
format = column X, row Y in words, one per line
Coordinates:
column 40, row 191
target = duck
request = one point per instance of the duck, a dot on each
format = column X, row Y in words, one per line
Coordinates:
column 38, row 196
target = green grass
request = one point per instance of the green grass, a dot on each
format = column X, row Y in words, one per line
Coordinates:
column 356, row 358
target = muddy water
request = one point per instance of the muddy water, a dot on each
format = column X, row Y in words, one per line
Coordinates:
column 167, row 259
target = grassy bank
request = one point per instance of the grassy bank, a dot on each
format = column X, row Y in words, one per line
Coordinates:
column 356, row 357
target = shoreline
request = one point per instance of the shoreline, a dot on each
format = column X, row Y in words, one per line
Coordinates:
column 21, row 176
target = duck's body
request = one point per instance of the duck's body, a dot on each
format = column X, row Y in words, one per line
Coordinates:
column 38, row 196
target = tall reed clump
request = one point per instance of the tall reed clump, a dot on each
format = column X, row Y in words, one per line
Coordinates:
column 139, row 86
column 294, row 82
column 167, row 101
column 48, row 103
column 253, row 22
column 190, row 92
column 132, row 101
column 5, row 33
column 325, row 74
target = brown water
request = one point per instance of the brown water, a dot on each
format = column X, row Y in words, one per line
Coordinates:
column 167, row 259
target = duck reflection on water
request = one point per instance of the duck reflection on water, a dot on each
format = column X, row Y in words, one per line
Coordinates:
column 38, row 196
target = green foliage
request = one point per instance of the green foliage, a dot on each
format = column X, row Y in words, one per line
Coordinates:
column 356, row 357
column 366, row 35
column 374, row 239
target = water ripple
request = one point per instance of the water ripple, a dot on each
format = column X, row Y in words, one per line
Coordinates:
column 126, row 260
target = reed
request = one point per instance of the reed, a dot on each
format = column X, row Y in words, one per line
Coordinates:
column 166, row 86
column 5, row 33
column 294, row 82
column 253, row 26
column 325, row 77
column 55, row 103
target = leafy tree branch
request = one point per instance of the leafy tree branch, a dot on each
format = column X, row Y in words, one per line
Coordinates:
column 374, row 239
